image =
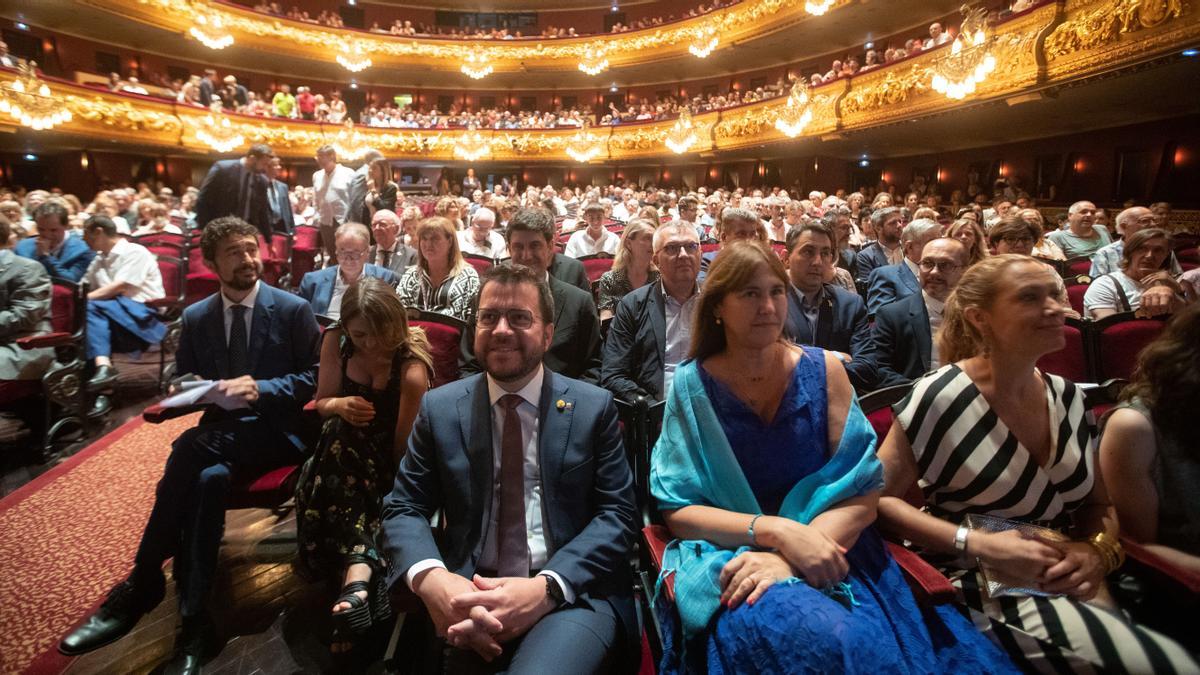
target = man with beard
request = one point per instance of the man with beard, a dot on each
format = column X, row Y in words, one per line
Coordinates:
column 528, row 469
column 260, row 345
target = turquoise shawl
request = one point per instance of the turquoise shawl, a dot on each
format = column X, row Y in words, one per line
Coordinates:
column 693, row 464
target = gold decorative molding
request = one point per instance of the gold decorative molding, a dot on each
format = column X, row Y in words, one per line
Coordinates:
column 1107, row 21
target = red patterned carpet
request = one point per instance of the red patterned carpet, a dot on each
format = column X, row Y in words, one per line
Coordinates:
column 69, row 535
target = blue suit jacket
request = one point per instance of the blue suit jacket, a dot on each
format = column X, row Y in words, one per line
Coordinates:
column 70, row 263
column 888, row 284
column 588, row 510
column 317, row 287
column 841, row 326
column 284, row 353
column 903, row 341
column 871, row 256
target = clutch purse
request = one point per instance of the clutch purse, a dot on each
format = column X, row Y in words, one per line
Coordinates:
column 998, row 583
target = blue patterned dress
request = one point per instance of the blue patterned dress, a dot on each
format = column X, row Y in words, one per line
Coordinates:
column 794, row 628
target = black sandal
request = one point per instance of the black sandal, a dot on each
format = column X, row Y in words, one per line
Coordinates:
column 357, row 619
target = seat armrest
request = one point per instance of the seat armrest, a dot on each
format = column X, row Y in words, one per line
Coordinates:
column 57, row 339
column 1159, row 565
column 927, row 584
column 157, row 414
column 164, row 303
column 657, row 537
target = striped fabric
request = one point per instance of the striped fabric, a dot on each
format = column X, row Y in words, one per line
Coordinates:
column 969, row 462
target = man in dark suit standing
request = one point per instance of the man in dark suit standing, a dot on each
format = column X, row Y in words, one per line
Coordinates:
column 890, row 283
column 358, row 211
column 821, row 314
column 260, row 345
column 282, row 220
column 651, row 332
column 575, row 350
column 237, row 187
column 904, row 330
column 207, row 87
column 885, row 250
column 528, row 468
column 389, row 250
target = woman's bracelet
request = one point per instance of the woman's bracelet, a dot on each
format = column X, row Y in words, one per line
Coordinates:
column 750, row 530
column 1110, row 551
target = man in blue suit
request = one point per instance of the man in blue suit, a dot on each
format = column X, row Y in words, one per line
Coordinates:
column 821, row 314
column 237, row 187
column 282, row 220
column 62, row 255
column 885, row 250
column 528, row 469
column 890, row 283
column 904, row 330
column 323, row 289
column 260, row 344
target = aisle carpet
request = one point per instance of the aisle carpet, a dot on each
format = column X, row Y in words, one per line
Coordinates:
column 69, row 535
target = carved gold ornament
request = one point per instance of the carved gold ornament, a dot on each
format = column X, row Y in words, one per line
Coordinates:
column 817, row 7
column 1108, row 21
column 28, row 100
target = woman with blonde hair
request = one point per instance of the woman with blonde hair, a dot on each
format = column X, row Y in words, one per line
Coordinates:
column 766, row 473
column 441, row 281
column 651, row 214
column 988, row 436
column 632, row 269
column 374, row 370
column 382, row 190
column 971, row 235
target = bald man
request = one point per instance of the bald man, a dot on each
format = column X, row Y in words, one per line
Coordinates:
column 389, row 251
column 1108, row 259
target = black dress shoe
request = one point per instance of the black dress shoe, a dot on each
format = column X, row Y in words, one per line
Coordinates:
column 103, row 378
column 101, row 406
column 195, row 641
column 126, row 604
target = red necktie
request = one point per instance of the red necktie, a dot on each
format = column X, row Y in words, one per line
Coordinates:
column 513, row 558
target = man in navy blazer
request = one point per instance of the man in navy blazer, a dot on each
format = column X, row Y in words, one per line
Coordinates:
column 237, row 187
column 528, row 470
column 888, row 223
column 904, row 330
column 260, row 344
column 822, row 314
column 890, row 283
column 323, row 289
column 282, row 220
column 61, row 254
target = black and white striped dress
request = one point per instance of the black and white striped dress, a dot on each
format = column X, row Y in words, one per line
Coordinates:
column 969, row 462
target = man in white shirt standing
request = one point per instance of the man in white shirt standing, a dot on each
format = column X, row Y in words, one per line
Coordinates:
column 481, row 238
column 331, row 197
column 595, row 238
column 123, row 277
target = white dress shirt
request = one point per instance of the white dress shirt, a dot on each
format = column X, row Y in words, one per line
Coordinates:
column 227, row 306
column 332, row 200
column 581, row 244
column 535, row 537
column 334, row 311
column 495, row 244
column 934, row 308
column 679, row 333
column 129, row 263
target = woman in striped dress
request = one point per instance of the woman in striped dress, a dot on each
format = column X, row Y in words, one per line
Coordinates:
column 989, row 434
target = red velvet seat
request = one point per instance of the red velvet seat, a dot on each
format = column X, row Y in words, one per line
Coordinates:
column 159, row 238
column 1117, row 341
column 1077, row 266
column 306, row 242
column 594, row 266
column 265, row 491
column 709, row 247
column 479, row 262
column 1071, row 361
column 275, row 257
column 445, row 336
column 780, row 249
column 1075, row 296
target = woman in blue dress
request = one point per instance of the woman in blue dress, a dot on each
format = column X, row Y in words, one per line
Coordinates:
column 766, row 474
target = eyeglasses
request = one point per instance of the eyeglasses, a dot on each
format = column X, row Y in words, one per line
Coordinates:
column 673, row 250
column 518, row 319
column 1014, row 239
column 350, row 256
column 940, row 265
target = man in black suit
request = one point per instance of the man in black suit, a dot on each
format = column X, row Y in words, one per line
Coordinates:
column 282, row 220
column 821, row 314
column 260, row 345
column 207, row 87
column 575, row 351
column 904, row 330
column 237, row 187
column 528, row 471
column 885, row 250
column 569, row 270
column 357, row 210
column 651, row 331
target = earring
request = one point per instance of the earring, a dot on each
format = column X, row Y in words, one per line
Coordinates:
column 718, row 321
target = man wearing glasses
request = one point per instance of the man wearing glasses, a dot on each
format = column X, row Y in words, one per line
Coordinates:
column 651, row 332
column 324, row 289
column 528, row 470
column 890, row 283
column 904, row 330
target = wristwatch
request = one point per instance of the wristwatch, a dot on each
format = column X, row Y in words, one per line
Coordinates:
column 960, row 538
column 554, row 591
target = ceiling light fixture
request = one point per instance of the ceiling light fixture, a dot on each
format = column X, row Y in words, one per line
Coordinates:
column 471, row 145
column 796, row 112
column 353, row 57
column 215, row 131
column 593, row 62
column 817, row 7
column 29, row 100
column 210, row 31
column 682, row 135
column 476, row 66
column 970, row 60
column 704, row 43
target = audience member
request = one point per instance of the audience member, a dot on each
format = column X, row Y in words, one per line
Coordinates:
column 766, row 469
column 481, row 238
column 737, row 224
column 1014, row 234
column 1000, row 457
column 25, row 293
column 574, row 350
column 1082, row 237
column 633, row 267
column 267, row 362
column 374, row 370
column 972, row 236
column 1142, row 284
column 890, row 283
column 331, row 197
column 1148, row 447
column 122, row 277
column 374, row 170
column 651, row 333
column 63, row 255
column 887, row 223
column 389, row 250
column 544, row 579
column 594, row 238
column 236, row 187
column 823, row 315
column 441, row 280
column 1129, row 222
column 904, row 330
column 324, row 289
column 282, row 220
column 382, row 191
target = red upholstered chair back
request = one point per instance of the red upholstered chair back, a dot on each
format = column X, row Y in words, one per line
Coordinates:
column 200, row 286
column 1076, row 266
column 709, row 247
column 174, row 276
column 1069, row 362
column 1119, row 339
column 596, row 265
column 877, row 406
column 780, row 249
column 179, row 241
column 195, row 260
column 62, row 309
column 1075, row 296
column 307, row 238
column 445, row 335
column 479, row 262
